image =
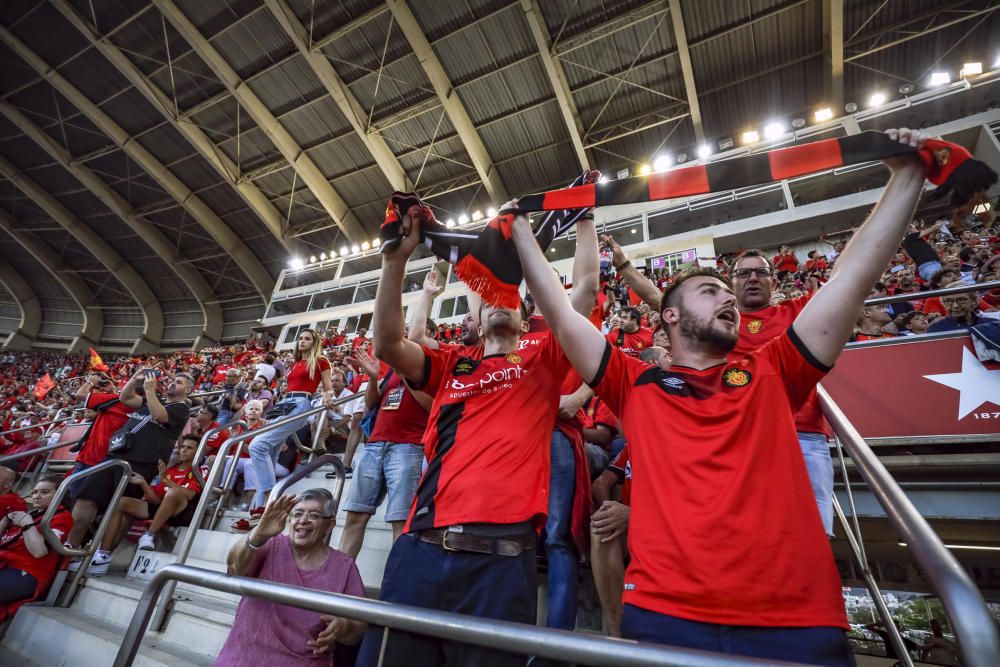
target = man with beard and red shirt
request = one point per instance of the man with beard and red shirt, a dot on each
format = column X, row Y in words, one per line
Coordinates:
column 631, row 336
column 472, row 527
column 727, row 553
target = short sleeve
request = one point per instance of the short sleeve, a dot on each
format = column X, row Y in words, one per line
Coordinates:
column 615, row 377
column 61, row 524
column 177, row 415
column 553, row 357
column 323, row 364
column 798, row 368
column 436, row 365
column 95, row 398
column 604, row 417
column 354, row 586
column 619, row 465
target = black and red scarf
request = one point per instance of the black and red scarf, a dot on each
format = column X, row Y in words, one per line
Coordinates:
column 487, row 260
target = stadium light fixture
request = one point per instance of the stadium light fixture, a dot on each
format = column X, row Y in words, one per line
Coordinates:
column 662, row 163
column 940, row 78
column 877, row 99
column 704, row 151
column 750, row 137
column 822, row 115
column 906, row 88
column 376, row 243
column 322, row 256
column 477, row 215
column 970, row 69
column 463, row 219
column 343, row 251
column 645, row 170
column 450, row 222
column 296, row 263
column 774, row 130
column 851, row 107
column 365, row 245
column 312, row 259
column 355, row 249
column 602, row 179
column 491, row 212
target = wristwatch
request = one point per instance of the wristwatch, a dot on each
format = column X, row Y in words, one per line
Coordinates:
column 624, row 266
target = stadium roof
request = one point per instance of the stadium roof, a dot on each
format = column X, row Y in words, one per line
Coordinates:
column 167, row 158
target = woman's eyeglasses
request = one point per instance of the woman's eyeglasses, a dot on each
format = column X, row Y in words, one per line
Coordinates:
column 312, row 516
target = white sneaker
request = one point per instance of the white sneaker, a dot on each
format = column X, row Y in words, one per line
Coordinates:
column 147, row 542
column 100, row 563
column 74, row 564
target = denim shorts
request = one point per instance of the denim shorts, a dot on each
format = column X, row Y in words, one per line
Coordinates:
column 385, row 468
column 816, row 452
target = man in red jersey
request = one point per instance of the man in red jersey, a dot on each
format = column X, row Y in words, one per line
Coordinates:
column 631, row 336
column 472, row 528
column 724, row 557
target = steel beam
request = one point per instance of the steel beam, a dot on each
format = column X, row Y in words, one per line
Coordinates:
column 650, row 10
column 557, row 79
column 303, row 165
column 66, row 276
column 341, row 95
column 31, row 310
column 204, row 146
column 684, row 53
column 453, row 106
column 349, row 26
column 145, row 229
column 198, row 209
column 115, row 264
column 918, row 34
column 833, row 53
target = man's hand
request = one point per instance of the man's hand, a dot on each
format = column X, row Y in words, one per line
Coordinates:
column 618, row 256
column 21, row 519
column 137, row 479
column 610, row 521
column 569, row 405
column 161, row 467
column 908, row 137
column 365, row 362
column 432, row 282
column 409, row 227
column 335, row 627
column 149, row 384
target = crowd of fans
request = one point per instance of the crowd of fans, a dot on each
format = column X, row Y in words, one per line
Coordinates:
column 402, row 421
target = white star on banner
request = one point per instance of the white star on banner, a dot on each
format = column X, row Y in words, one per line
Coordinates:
column 976, row 384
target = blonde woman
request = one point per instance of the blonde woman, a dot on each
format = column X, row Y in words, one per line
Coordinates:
column 307, row 372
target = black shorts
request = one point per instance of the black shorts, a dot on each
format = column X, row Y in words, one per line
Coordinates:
column 100, row 487
column 181, row 520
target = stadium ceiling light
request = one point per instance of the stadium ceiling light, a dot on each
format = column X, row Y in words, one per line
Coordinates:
column 322, row 256
column 662, row 163
column 877, row 99
column 355, row 249
column 296, row 263
column 312, row 259
column 602, row 179
column 906, row 88
column 750, row 137
column 365, row 245
column 774, row 130
column 491, row 212
column 463, row 219
column 969, row 69
column 824, row 114
column 343, row 251
column 704, row 151
column 940, row 78
column 645, row 170
column 851, row 107
column 450, row 222
column 477, row 215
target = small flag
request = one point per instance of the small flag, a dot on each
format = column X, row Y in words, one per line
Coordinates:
column 96, row 363
column 43, row 386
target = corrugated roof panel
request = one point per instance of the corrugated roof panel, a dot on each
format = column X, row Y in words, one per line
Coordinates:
column 362, row 186
column 286, row 86
column 345, row 155
column 255, row 43
column 132, row 112
column 23, row 151
column 309, row 125
column 249, row 149
column 54, row 180
column 359, row 53
column 402, row 83
column 571, row 19
column 192, row 80
column 325, row 17
column 46, row 20
column 439, row 18
column 515, row 134
column 543, row 168
column 215, row 17
column 16, row 72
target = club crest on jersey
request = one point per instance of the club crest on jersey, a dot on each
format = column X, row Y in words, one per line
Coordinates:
column 754, row 326
column 736, row 377
column 514, row 358
column 465, row 366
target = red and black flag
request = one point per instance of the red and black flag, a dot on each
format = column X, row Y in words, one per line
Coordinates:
column 487, row 261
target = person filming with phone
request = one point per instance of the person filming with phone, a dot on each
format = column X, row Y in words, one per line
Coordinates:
column 159, row 411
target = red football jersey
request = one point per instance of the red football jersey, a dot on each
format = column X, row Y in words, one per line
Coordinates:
column 299, row 378
column 487, row 438
column 760, row 326
column 724, row 528
column 400, row 418
column 631, row 343
column 182, row 478
column 15, row 554
column 216, row 439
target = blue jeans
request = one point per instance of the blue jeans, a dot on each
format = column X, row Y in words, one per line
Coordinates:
column 382, row 468
column 816, row 452
column 813, row 646
column 559, row 547
column 264, row 449
column 425, row 575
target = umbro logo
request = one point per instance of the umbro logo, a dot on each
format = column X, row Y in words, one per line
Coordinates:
column 673, row 382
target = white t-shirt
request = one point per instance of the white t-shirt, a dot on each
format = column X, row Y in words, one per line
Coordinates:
column 267, row 371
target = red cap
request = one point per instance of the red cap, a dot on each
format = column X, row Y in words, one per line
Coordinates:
column 993, row 239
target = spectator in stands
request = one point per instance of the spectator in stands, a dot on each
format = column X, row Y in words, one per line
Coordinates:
column 785, row 260
column 169, row 502
column 390, row 463
column 265, row 369
column 27, row 565
column 920, row 251
column 631, row 336
column 234, row 393
column 147, row 437
column 872, row 322
column 111, row 415
column 911, row 323
column 252, row 415
column 961, row 311
column 290, row 546
column 782, row 600
column 259, row 392
column 205, row 421
column 310, row 370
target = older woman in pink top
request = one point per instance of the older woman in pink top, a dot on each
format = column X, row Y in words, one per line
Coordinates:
column 290, row 545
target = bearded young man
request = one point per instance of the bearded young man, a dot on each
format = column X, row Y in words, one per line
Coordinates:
column 725, row 555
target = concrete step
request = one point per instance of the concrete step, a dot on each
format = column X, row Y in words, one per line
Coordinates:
column 10, row 659
column 73, row 638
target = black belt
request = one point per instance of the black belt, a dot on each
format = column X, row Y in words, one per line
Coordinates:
column 449, row 540
column 298, row 394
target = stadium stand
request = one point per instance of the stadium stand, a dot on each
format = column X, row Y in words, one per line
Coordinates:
column 234, row 411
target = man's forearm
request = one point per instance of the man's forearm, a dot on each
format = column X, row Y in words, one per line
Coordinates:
column 642, row 286
column 389, row 306
column 419, row 313
column 586, row 267
column 128, row 391
column 156, row 409
column 371, row 393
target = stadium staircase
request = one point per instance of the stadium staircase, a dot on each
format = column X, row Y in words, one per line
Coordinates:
column 90, row 631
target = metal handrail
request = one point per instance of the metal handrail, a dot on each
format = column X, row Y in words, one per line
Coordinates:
column 87, row 553
column 37, row 450
column 975, row 630
column 203, row 445
column 187, row 540
column 38, row 425
column 944, row 291
column 561, row 645
column 305, row 469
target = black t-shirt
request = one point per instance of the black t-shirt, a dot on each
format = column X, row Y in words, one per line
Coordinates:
column 918, row 249
column 152, row 441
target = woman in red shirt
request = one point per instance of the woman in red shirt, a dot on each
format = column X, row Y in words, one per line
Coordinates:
column 309, row 370
column 27, row 565
column 785, row 260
